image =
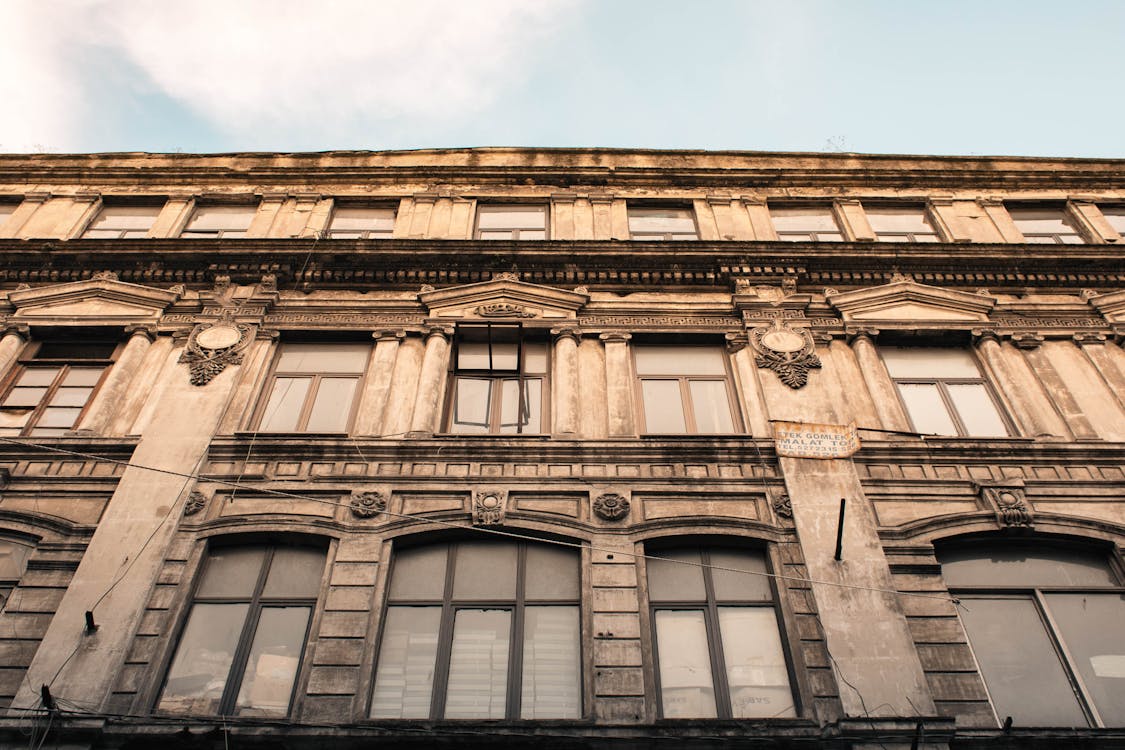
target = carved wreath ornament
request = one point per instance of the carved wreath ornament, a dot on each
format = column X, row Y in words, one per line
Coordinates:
column 213, row 346
column 787, row 351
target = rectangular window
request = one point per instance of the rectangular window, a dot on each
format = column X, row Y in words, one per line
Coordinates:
column 122, row 222
column 654, row 224
column 313, row 387
column 1115, row 215
column 1047, row 225
column 805, row 224
column 213, row 222
column 362, row 222
column 901, row 224
column 511, row 222
column 943, row 392
column 53, row 385
column 242, row 644
column 718, row 648
column 685, row 389
column 499, row 381
column 6, row 210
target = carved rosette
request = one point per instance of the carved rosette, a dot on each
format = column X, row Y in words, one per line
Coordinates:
column 788, row 351
column 488, row 507
column 211, row 347
column 611, row 506
column 367, row 504
column 196, row 502
column 1010, row 503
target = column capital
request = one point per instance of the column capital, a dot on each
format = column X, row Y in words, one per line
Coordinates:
column 984, row 335
column 859, row 332
column 615, row 336
column 567, row 332
column 389, row 334
column 444, row 331
column 17, row 329
column 1027, row 340
column 1089, row 339
column 736, row 342
column 147, row 330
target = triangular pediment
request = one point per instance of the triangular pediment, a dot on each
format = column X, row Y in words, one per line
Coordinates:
column 504, row 299
column 91, row 302
column 1111, row 305
column 908, row 301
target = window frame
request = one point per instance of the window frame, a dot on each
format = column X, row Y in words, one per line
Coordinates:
column 1048, row 238
column 450, row 605
column 497, row 379
column 9, row 585
column 187, row 233
column 365, row 234
column 484, row 207
column 780, row 606
column 121, row 233
column 810, row 236
column 1037, row 596
column 637, row 208
column 28, row 360
column 1107, row 210
column 738, row 423
column 947, row 400
column 924, row 209
column 259, row 414
column 240, row 655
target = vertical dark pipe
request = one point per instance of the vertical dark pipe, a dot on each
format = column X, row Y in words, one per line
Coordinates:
column 840, row 531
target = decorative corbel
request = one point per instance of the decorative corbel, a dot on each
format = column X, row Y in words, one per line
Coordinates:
column 1009, row 501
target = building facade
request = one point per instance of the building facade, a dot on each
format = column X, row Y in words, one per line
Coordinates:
column 599, row 447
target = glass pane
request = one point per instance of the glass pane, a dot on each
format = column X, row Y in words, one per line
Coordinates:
column 1019, row 664
column 474, row 355
column 332, row 406
column 551, row 573
column 323, row 358
column 803, row 219
column 231, row 572
column 71, row 397
column 740, row 587
column 711, row 404
column 1115, row 215
column 927, row 410
column 404, row 680
column 38, row 376
column 362, row 218
column 83, row 376
column 1046, row 220
column 199, row 671
column 11, row 422
column 534, row 357
column 977, row 409
column 61, row 417
column 295, row 572
column 497, row 235
column 485, row 571
column 662, row 220
column 1091, row 626
column 211, row 218
column 928, row 363
column 898, row 219
column 45, row 431
column 552, row 685
column 20, row 396
column 87, row 349
column 663, row 405
column 517, row 417
column 13, row 560
column 419, row 574
column 124, row 217
column 671, row 580
column 471, row 405
column 680, row 360
column 1026, row 567
column 284, row 407
column 272, row 664
column 478, row 664
column 687, row 690
column 755, row 663
column 512, row 217
column 532, row 234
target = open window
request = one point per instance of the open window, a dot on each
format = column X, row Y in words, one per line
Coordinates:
column 244, row 638
column 499, row 380
column 481, row 630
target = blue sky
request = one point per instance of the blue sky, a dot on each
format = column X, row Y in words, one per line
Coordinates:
column 955, row 77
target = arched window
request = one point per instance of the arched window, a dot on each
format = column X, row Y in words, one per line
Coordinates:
column 1046, row 627
column 718, row 647
column 481, row 630
column 243, row 641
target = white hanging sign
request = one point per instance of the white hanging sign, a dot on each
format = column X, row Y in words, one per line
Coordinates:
column 809, row 440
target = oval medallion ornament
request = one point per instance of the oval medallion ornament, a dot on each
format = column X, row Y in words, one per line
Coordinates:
column 789, row 352
column 218, row 337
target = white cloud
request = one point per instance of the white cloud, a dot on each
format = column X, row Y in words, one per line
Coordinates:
column 296, row 69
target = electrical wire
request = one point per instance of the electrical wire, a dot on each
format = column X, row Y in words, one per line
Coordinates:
column 471, row 528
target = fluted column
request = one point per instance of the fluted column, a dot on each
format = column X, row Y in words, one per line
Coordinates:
column 879, row 383
column 1034, row 415
column 11, row 343
column 619, row 384
column 377, row 387
column 430, row 382
column 564, row 381
column 117, row 381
